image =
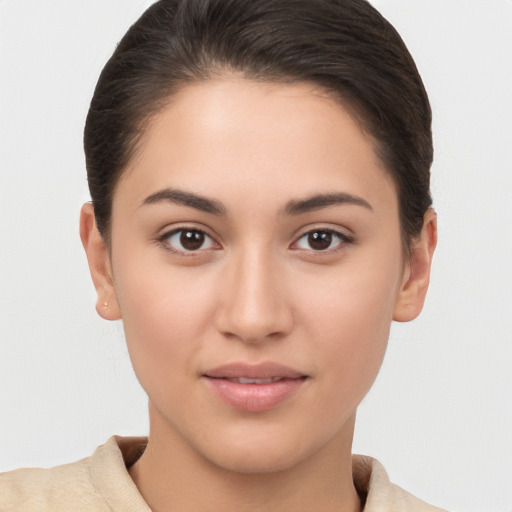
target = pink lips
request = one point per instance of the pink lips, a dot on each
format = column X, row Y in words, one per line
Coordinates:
column 254, row 388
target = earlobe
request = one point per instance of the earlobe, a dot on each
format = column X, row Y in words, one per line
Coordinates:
column 99, row 265
column 414, row 287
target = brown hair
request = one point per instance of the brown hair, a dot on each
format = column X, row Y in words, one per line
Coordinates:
column 344, row 46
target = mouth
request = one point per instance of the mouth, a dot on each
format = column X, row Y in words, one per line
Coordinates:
column 246, row 380
column 254, row 388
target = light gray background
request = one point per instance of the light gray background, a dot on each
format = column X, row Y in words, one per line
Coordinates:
column 440, row 414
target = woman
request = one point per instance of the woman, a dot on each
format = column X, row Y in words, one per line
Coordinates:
column 260, row 213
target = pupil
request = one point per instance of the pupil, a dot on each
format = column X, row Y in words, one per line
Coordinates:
column 320, row 240
column 192, row 240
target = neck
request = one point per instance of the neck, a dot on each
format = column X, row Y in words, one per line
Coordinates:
column 320, row 482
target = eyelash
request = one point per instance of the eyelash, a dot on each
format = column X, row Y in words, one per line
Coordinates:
column 326, row 235
column 164, row 240
column 331, row 235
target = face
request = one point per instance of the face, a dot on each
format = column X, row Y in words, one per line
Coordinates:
column 256, row 262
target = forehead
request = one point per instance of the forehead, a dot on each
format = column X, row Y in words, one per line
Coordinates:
column 228, row 136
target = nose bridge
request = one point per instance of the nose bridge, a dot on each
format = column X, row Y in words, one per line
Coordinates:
column 254, row 304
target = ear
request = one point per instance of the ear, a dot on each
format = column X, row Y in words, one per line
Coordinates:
column 414, row 286
column 100, row 266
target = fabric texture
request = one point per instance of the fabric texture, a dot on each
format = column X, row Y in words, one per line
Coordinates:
column 101, row 483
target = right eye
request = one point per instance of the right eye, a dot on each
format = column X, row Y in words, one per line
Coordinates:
column 187, row 240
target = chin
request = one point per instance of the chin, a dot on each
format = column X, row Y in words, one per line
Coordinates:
column 254, row 460
column 259, row 452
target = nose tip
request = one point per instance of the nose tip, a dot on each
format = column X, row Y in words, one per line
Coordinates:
column 251, row 327
column 254, row 305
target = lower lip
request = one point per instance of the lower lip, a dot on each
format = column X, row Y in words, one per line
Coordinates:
column 255, row 397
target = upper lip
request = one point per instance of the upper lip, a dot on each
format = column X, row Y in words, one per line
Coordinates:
column 253, row 371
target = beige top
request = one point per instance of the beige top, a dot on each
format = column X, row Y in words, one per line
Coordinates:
column 101, row 483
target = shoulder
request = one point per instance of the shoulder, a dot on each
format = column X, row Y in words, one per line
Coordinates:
column 93, row 484
column 55, row 489
column 371, row 480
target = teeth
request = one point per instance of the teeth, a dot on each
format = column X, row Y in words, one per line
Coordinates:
column 243, row 380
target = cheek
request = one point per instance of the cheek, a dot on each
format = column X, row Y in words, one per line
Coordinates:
column 357, row 297
column 165, row 315
column 352, row 334
column 349, row 317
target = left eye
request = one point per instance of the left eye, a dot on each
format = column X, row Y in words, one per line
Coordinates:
column 189, row 240
column 320, row 240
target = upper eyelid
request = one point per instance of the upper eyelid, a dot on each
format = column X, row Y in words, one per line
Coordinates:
column 338, row 230
column 341, row 235
column 168, row 231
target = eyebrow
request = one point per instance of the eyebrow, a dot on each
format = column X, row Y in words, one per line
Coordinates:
column 316, row 202
column 189, row 199
column 293, row 207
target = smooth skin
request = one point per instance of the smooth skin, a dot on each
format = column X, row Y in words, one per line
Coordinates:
column 255, row 224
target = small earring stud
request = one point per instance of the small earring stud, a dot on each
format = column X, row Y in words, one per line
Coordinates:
column 105, row 305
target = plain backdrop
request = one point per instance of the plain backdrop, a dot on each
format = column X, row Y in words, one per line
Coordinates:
column 440, row 414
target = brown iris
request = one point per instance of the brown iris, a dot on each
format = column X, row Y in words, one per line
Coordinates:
column 320, row 240
column 192, row 240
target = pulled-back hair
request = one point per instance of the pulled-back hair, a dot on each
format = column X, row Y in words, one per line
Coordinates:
column 344, row 46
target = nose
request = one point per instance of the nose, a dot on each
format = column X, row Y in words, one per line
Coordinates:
column 254, row 305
